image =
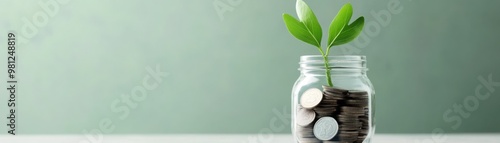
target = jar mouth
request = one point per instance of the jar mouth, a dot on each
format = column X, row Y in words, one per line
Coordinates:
column 335, row 62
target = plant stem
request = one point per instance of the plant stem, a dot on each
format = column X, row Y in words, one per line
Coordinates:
column 327, row 65
column 327, row 51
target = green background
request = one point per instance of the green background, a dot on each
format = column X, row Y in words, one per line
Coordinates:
column 227, row 75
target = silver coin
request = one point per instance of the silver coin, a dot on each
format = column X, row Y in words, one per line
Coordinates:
column 311, row 98
column 305, row 117
column 325, row 128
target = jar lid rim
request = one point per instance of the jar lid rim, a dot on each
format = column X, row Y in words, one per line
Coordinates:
column 337, row 62
column 337, row 59
column 344, row 57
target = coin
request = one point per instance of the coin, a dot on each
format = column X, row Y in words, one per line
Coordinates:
column 357, row 92
column 325, row 128
column 353, row 110
column 304, row 132
column 341, row 115
column 309, row 140
column 311, row 98
column 361, row 138
column 305, row 117
column 354, row 102
column 348, row 135
column 334, row 89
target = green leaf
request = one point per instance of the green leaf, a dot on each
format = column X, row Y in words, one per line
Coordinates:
column 299, row 30
column 350, row 32
column 306, row 16
column 339, row 23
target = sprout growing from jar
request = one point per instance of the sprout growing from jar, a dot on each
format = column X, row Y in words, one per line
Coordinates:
column 308, row 29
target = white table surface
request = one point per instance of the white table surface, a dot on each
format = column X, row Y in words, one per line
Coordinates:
column 379, row 138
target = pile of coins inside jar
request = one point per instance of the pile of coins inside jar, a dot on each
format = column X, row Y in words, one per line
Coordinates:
column 332, row 116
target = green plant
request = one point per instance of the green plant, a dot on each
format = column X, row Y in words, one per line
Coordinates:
column 308, row 29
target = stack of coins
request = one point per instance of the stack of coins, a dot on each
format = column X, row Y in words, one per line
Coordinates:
column 306, row 115
column 305, row 119
column 332, row 115
column 353, row 113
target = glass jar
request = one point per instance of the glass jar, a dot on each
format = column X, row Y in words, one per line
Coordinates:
column 342, row 113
